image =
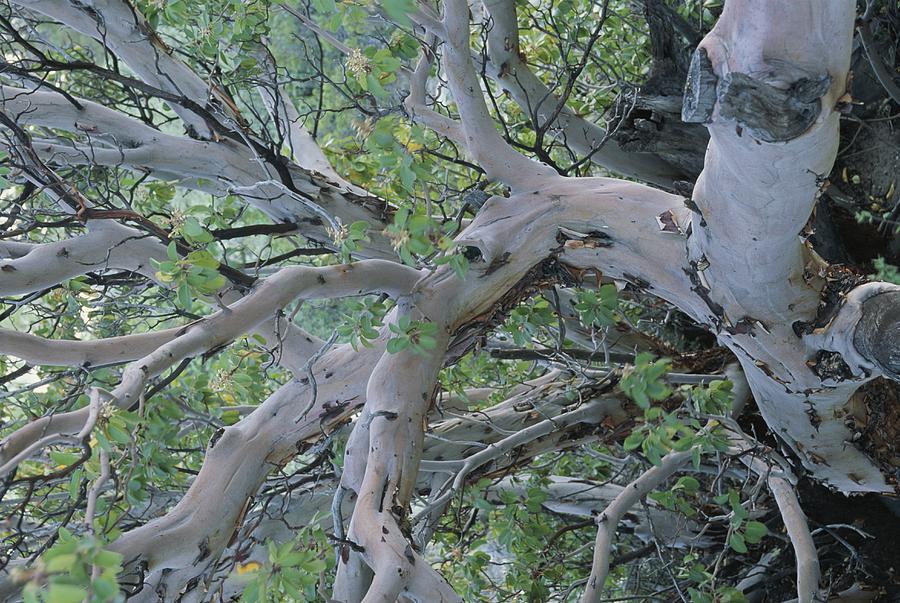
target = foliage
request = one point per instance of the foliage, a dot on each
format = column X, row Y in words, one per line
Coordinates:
column 194, row 273
column 642, row 382
column 598, row 307
column 77, row 569
column 361, row 321
column 293, row 571
column 885, row 272
column 416, row 335
column 743, row 531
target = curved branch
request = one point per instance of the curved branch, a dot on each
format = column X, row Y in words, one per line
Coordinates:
column 215, row 167
column 121, row 28
column 499, row 160
column 808, row 571
column 877, row 334
column 417, row 105
column 221, row 328
column 40, row 351
column 609, row 519
column 863, row 333
column 107, row 245
column 506, row 66
column 590, row 412
column 398, row 395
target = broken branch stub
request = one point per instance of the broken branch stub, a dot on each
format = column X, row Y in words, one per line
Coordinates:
column 877, row 335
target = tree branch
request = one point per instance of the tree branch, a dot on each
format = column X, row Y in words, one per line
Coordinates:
column 122, row 29
column 221, row 328
column 506, row 66
column 499, row 160
column 609, row 519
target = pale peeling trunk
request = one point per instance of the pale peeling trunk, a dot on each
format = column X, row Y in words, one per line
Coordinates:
column 766, row 81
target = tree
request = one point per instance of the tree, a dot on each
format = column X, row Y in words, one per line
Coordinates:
column 593, row 318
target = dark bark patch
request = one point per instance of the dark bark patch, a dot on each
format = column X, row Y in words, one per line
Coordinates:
column 387, row 414
column 215, row 437
column 697, row 286
column 636, row 281
column 744, row 326
column 873, row 417
column 542, row 275
column 830, row 365
column 839, row 280
column 667, row 223
column 203, row 547
column 472, row 253
column 333, row 409
column 476, row 199
column 692, row 205
column 801, row 327
column 768, row 113
column 497, row 263
column 814, row 419
column 595, row 239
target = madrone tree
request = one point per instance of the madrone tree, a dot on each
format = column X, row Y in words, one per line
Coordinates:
column 596, row 315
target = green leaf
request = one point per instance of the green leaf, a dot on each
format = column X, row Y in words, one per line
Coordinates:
column 731, row 595
column 634, row 440
column 104, row 590
column 374, row 86
column 65, row 593
column 74, row 483
column 203, row 259
column 167, row 266
column 61, row 563
column 397, row 344
column 398, row 10
column 192, row 228
column 184, row 296
column 688, row 484
column 737, row 542
column 407, row 177
column 29, row 593
column 118, row 435
column 108, row 559
column 63, row 458
column 325, row 6
column 754, row 531
column 653, row 413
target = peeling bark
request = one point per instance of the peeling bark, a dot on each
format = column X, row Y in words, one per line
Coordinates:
column 732, row 259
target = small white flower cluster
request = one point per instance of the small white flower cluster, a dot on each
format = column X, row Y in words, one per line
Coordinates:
column 358, row 63
column 107, row 410
column 221, row 381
